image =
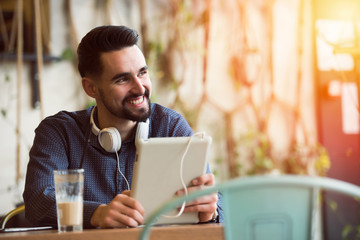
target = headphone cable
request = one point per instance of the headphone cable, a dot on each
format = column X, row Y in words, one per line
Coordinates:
column 118, row 167
column 87, row 137
column 181, row 175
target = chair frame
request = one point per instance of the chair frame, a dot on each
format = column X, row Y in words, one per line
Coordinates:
column 11, row 214
column 316, row 183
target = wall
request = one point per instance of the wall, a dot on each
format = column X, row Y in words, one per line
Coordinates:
column 225, row 106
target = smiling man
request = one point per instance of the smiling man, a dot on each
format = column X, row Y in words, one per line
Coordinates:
column 114, row 72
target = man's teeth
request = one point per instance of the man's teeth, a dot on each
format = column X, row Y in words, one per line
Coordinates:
column 137, row 101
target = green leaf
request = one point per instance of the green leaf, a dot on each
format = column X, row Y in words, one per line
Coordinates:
column 3, row 113
column 358, row 232
column 67, row 54
column 7, row 78
column 346, row 230
column 174, row 86
column 92, row 102
column 218, row 160
column 333, row 205
column 268, row 163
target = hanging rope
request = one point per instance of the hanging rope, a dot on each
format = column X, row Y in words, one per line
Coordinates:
column 73, row 32
column 144, row 28
column 19, row 67
column 45, row 30
column 39, row 54
column 3, row 31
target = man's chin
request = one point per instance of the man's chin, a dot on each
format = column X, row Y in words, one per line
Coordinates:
column 138, row 117
column 139, row 114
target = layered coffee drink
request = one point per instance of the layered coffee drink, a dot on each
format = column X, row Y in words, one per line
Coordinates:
column 70, row 213
column 69, row 190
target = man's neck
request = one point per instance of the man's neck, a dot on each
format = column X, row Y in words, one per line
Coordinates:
column 124, row 126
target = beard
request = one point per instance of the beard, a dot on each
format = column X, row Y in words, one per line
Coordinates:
column 141, row 115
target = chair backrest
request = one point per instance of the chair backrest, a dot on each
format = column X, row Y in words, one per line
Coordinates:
column 266, row 207
column 11, row 214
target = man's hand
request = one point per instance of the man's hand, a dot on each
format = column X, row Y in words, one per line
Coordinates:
column 206, row 205
column 122, row 211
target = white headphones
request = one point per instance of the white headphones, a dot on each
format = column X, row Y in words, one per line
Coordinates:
column 110, row 139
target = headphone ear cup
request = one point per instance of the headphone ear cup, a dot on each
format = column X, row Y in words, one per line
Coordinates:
column 109, row 139
column 142, row 131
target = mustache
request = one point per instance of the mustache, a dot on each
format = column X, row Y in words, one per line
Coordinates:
column 146, row 95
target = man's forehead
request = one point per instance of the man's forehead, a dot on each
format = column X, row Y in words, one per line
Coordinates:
column 127, row 61
column 126, row 57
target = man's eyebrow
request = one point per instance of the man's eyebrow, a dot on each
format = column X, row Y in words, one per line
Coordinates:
column 143, row 68
column 120, row 75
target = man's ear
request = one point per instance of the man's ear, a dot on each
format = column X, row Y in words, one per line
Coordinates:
column 89, row 87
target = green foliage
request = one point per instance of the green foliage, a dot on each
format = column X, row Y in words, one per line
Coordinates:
column 256, row 147
column 303, row 157
column 333, row 205
column 349, row 231
column 358, row 232
column 346, row 231
column 7, row 78
column 68, row 55
column 174, row 86
column 3, row 113
column 218, row 160
column 215, row 172
column 92, row 102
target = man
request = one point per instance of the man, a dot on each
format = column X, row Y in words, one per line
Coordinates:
column 115, row 74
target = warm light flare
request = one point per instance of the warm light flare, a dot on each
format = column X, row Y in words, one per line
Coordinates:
column 347, row 10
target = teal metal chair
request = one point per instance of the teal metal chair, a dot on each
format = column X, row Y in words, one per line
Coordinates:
column 266, row 207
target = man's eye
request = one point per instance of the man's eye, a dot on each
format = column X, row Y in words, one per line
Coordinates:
column 121, row 80
column 142, row 73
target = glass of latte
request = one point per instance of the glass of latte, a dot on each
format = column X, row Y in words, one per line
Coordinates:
column 69, row 191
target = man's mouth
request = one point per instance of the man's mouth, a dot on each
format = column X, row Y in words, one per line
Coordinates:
column 137, row 101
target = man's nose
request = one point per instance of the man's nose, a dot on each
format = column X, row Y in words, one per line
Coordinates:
column 138, row 86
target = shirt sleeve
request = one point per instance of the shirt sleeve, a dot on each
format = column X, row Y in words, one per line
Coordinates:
column 49, row 152
column 45, row 155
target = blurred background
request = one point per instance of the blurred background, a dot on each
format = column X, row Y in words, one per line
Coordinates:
column 274, row 82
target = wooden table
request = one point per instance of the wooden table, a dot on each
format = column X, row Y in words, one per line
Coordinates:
column 188, row 232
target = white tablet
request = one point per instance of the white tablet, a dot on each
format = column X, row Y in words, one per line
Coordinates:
column 156, row 175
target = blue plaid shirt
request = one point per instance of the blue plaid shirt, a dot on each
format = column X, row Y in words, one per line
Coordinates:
column 59, row 143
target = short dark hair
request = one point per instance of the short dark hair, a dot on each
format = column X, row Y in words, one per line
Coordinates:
column 100, row 40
